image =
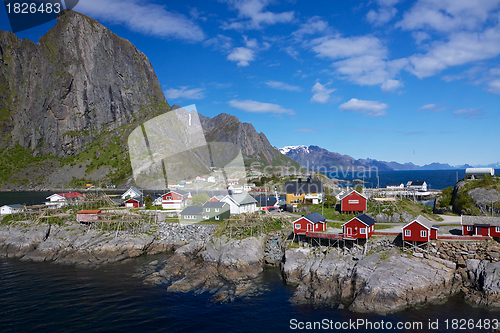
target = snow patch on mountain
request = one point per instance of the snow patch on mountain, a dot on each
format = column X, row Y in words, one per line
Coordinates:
column 287, row 149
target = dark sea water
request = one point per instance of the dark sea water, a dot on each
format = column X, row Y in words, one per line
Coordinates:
column 435, row 179
column 46, row 297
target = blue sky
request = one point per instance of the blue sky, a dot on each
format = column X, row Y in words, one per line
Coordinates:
column 405, row 81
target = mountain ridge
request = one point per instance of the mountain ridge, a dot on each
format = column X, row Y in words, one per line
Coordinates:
column 316, row 157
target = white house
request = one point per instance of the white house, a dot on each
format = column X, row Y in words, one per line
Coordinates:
column 211, row 179
column 132, row 192
column 240, row 203
column 417, row 186
column 61, row 199
column 395, row 185
column 201, row 179
column 248, row 187
column 175, row 199
column 10, row 209
column 233, row 181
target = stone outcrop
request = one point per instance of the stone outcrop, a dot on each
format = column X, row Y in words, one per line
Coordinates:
column 372, row 284
column 78, row 81
column 76, row 244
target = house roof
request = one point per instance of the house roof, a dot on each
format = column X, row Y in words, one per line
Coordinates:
column 135, row 189
column 138, row 199
column 365, row 219
column 412, row 183
column 294, row 186
column 422, row 221
column 67, row 195
column 192, row 210
column 315, row 217
column 14, row 206
column 481, row 220
column 180, row 192
column 89, row 211
column 243, row 199
column 214, row 204
column 217, row 197
column 395, row 184
column 341, row 197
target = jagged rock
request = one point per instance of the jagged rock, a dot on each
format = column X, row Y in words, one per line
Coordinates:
column 382, row 217
column 17, row 240
column 406, row 217
column 396, row 217
column 485, row 277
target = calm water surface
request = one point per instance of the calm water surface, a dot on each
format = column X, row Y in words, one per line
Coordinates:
column 47, row 297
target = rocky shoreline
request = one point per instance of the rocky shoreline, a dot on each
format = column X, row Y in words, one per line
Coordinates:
column 383, row 280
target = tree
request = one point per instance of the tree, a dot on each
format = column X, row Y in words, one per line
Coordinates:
column 358, row 188
column 148, row 201
column 199, row 199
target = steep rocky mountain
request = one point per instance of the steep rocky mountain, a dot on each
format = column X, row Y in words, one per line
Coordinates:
column 254, row 146
column 69, row 103
column 79, row 80
column 312, row 157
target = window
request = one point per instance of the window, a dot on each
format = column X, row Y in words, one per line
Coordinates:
column 205, row 217
column 297, row 226
column 217, row 217
column 497, row 229
column 353, row 202
column 362, row 231
column 216, row 210
column 423, row 233
column 168, row 198
column 207, row 210
column 469, row 228
column 407, row 233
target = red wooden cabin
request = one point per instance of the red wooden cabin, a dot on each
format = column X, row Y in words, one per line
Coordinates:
column 480, row 226
column 88, row 215
column 310, row 222
column 419, row 230
column 353, row 202
column 360, row 227
column 134, row 203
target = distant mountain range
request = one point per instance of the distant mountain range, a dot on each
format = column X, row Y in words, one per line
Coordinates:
column 318, row 159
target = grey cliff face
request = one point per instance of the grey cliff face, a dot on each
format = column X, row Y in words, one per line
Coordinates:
column 79, row 80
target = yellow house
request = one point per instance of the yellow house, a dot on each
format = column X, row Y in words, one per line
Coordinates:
column 303, row 192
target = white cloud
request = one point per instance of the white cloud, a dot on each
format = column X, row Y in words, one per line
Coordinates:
column 313, row 26
column 283, row 86
column 305, row 130
column 361, row 60
column 382, row 16
column 448, row 15
column 462, row 48
column 258, row 107
column 219, row 42
column 340, row 48
column 321, row 93
column 428, row 107
column 185, row 93
column 143, row 17
column 494, row 87
column 252, row 15
column 242, row 56
column 469, row 113
column 391, row 85
column 370, row 108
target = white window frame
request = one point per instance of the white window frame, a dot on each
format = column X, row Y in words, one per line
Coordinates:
column 297, row 226
column 207, row 210
column 353, row 202
column 407, row 233
column 362, row 231
column 217, row 217
column 497, row 229
column 469, row 228
column 423, row 233
column 216, row 210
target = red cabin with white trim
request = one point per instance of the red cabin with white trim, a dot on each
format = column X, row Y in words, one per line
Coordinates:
column 419, row 230
column 310, row 223
column 134, row 203
column 353, row 202
column 480, row 226
column 360, row 227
